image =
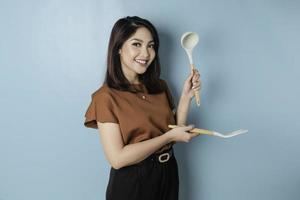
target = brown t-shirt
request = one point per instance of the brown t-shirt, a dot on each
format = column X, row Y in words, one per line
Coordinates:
column 141, row 116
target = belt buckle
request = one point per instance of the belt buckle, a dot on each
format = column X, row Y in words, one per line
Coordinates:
column 162, row 155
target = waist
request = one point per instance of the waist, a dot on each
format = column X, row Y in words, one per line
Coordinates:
column 164, row 148
column 161, row 157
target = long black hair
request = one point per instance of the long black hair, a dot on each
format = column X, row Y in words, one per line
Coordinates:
column 123, row 29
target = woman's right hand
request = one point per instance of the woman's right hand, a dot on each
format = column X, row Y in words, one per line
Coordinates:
column 181, row 134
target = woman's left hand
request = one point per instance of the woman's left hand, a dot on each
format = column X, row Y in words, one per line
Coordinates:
column 192, row 84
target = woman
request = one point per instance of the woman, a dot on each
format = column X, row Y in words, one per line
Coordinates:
column 132, row 110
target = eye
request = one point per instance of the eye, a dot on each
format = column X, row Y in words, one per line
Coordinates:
column 152, row 46
column 136, row 44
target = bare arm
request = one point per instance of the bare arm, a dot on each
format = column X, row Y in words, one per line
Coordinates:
column 182, row 110
column 120, row 155
column 192, row 84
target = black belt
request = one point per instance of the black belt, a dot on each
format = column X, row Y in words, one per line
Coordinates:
column 162, row 157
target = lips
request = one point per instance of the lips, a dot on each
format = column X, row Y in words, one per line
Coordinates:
column 140, row 61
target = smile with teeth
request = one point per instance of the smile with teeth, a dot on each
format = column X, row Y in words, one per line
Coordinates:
column 141, row 61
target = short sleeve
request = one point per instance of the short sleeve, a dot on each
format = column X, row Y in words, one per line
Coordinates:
column 102, row 109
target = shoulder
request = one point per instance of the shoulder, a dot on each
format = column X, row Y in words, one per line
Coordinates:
column 103, row 92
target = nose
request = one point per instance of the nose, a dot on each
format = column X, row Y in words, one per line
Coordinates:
column 145, row 52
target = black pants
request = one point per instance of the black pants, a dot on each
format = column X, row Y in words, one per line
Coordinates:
column 147, row 180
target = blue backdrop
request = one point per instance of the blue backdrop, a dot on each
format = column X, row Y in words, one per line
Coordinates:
column 52, row 57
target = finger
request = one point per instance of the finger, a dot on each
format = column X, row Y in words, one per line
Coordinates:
column 196, row 83
column 189, row 127
column 197, row 88
column 190, row 76
column 196, row 72
column 194, row 134
column 196, row 78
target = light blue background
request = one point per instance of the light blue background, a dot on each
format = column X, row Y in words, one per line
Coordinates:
column 52, row 57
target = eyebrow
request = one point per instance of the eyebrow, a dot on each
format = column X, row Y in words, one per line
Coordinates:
column 141, row 40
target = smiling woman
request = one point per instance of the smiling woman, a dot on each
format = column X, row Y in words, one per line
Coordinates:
column 132, row 111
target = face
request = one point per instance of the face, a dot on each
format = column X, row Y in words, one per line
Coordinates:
column 137, row 53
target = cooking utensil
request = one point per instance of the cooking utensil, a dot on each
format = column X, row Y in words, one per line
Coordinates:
column 188, row 41
column 214, row 133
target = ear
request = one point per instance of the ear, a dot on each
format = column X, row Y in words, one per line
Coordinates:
column 120, row 51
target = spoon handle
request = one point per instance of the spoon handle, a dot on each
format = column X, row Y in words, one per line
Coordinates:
column 197, row 93
column 196, row 130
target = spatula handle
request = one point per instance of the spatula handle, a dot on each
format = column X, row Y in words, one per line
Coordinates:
column 195, row 130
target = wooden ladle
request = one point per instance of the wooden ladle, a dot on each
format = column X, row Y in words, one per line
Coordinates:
column 188, row 41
